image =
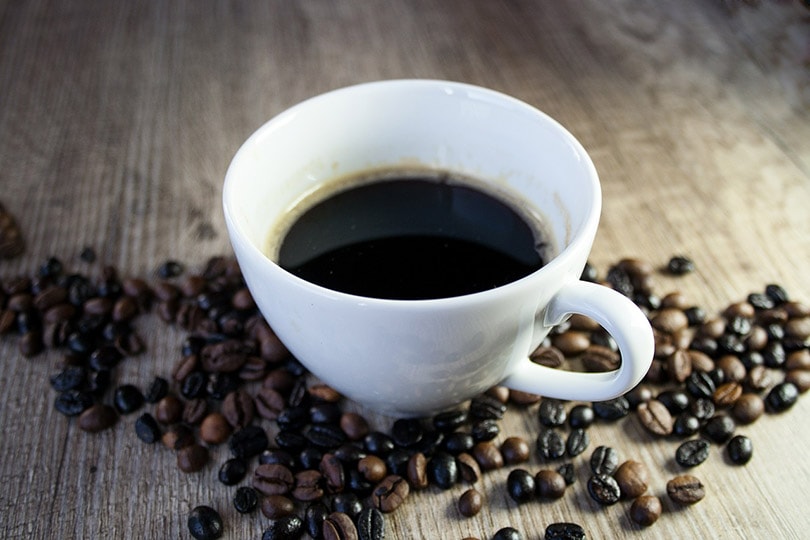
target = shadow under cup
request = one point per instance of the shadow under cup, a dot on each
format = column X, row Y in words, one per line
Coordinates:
column 413, row 124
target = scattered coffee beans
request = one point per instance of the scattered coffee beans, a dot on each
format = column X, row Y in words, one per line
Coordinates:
column 204, row 523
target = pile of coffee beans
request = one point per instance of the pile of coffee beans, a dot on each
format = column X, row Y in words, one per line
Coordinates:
column 310, row 465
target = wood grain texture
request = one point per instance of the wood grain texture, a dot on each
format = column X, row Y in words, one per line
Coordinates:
column 118, row 120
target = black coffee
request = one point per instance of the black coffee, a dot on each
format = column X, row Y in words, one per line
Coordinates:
column 411, row 238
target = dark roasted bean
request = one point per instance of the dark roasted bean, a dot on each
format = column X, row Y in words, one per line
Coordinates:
column 520, row 485
column 739, row 450
column 277, row 506
column 406, row 432
column 486, row 408
column 702, row 409
column 646, row 510
column 232, row 471
column 719, row 428
column 324, row 413
column 604, row 460
column 245, row 500
column 564, row 531
column 273, row 479
column 325, row 435
column 552, row 413
column 157, row 390
column 550, row 445
column 314, row 516
column 378, row 443
column 147, row 428
column 507, row 533
column 69, row 378
column 485, row 430
column 782, row 397
column 567, row 472
column 604, row 489
column 450, row 421
column 72, row 402
column 457, row 442
column 347, row 503
column 577, row 442
column 286, row 528
column 692, row 453
column 581, row 416
column 442, row 470
column 685, row 425
column 612, row 409
column 310, row 457
column 370, row 524
column 248, row 441
column 685, row 489
column 204, row 523
column 194, row 385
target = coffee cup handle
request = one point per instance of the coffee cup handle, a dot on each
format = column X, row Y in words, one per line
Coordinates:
column 620, row 317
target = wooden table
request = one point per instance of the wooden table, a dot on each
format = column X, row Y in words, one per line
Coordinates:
column 118, row 120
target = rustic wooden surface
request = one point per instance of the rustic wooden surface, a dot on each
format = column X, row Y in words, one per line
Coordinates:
column 118, row 120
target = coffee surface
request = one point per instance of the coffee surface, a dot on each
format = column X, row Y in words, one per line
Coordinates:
column 412, row 238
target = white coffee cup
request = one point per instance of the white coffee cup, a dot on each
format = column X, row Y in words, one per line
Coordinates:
column 410, row 358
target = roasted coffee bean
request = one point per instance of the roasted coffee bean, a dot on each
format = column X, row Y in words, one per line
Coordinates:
column 324, row 413
column 633, row 478
column 450, row 421
column 604, row 460
column 169, row 410
column 248, row 442
column 308, row 486
column 147, row 428
column 177, row 437
column 339, row 526
column 567, row 472
column 782, row 397
column 485, row 430
column 294, row 418
column 692, row 453
column 484, row 407
column 655, row 417
column 314, row 516
column 739, row 450
column 680, row 265
column 577, row 442
column 685, row 489
column 727, row 394
column 549, row 484
column 442, row 470
column 719, row 428
column 675, row 401
column 310, row 457
column 232, row 471
column 604, row 489
column 417, row 471
column 548, row 356
column 69, row 378
column 347, row 503
column 406, row 432
column 457, row 442
column 581, row 416
column 354, row 426
column 97, row 417
column 332, row 470
column 488, row 456
column 378, row 443
column 194, row 385
column 370, row 524
column 612, row 409
column 550, row 445
column 269, row 403
column 520, row 485
column 158, row 389
column 73, row 402
column 800, row 378
column 221, row 384
column 277, row 506
column 515, row 450
column 748, row 408
column 571, row 342
column 286, row 528
column 238, row 408
column 507, row 533
column 685, row 425
column 564, row 531
column 646, row 510
column 702, row 409
column 192, row 458
column 204, row 523
column 104, row 358
column 470, row 503
column 468, row 468
column 273, row 479
column 552, row 413
column 327, row 436
column 194, row 411
column 372, row 468
column 430, row 443
column 277, row 456
column 245, row 500
column 358, row 484
column 389, row 494
column 598, row 358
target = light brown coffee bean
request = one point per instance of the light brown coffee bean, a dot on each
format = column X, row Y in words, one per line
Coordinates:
column 633, row 478
column 572, row 342
column 185, row 366
column 732, row 367
column 547, row 356
column 339, row 526
column 224, row 356
column 796, row 309
column 500, row 393
column 655, row 417
column 470, row 503
column 727, row 394
column 756, row 339
column 354, row 426
column 372, row 468
column 739, row 309
column 273, row 479
column 269, row 403
column 487, row 455
column 523, row 399
column 798, row 360
column 676, row 300
column 583, row 322
column 713, row 328
column 800, row 378
column 597, row 358
column 417, row 471
column 679, row 365
column 215, row 429
column 686, row 489
column 389, row 494
column 646, row 510
column 748, row 408
column 798, row 327
column 323, row 392
column 468, row 469
column 758, row 379
column 669, row 320
column 700, row 361
column 277, row 506
column 177, row 437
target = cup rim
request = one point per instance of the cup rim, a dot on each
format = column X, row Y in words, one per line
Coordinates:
column 565, row 257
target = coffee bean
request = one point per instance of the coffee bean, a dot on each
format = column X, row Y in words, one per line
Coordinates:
column 147, row 428
column 97, row 417
column 450, row 421
column 719, row 428
column 389, row 494
column 633, row 478
column 277, row 506
column 515, row 450
column 550, row 445
column 552, row 413
column 325, row 436
column 612, row 409
column 442, row 470
column 577, row 442
column 470, row 503
column 685, row 489
column 484, row 407
column 314, row 516
column 655, row 417
column 308, row 486
column 507, row 533
column 332, row 470
column 73, row 402
column 739, row 450
column 748, row 408
column 564, row 531
column 248, row 441
column 581, row 416
column 370, row 525
column 523, row 399
column 157, row 390
column 339, row 526
column 782, row 397
column 273, row 479
column 597, row 358
column 468, row 468
column 286, row 528
column 692, row 453
column 194, row 385
column 245, row 500
column 194, row 411
column 238, row 408
column 372, row 468
column 485, row 430
column 727, row 394
column 548, row 356
column 567, row 472
column 800, row 378
column 310, row 457
column 571, row 342
column 417, row 471
column 232, row 471
column 488, row 456
column 520, row 485
column 680, row 265
column 177, row 437
column 457, row 442
column 604, row 489
column 204, row 523
column 669, row 320
column 549, row 484
column 348, row 503
column 192, row 458
column 354, row 426
column 646, row 510
column 214, row 429
column 604, row 460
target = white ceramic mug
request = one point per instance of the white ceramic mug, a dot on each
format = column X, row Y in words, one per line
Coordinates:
column 416, row 357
